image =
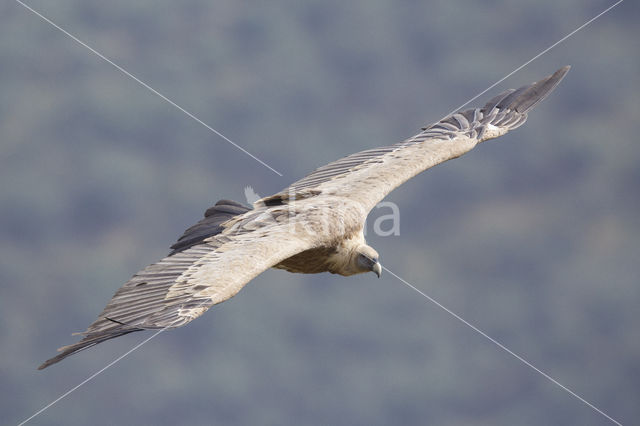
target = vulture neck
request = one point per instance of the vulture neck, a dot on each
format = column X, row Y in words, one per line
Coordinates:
column 343, row 260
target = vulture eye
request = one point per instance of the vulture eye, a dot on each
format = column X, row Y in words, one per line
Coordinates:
column 366, row 260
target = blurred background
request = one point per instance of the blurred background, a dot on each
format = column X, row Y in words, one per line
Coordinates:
column 534, row 237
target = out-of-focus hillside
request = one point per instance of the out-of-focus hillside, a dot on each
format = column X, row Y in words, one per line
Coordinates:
column 533, row 237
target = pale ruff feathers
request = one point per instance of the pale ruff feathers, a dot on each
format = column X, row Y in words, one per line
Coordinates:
column 312, row 226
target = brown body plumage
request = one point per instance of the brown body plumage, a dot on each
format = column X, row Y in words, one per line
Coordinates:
column 314, row 225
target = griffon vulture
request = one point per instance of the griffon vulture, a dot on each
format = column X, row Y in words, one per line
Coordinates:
column 314, row 225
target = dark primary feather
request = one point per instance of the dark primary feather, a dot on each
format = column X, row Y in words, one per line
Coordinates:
column 211, row 225
column 88, row 341
column 140, row 303
column 168, row 293
column 171, row 292
column 121, row 316
column 507, row 111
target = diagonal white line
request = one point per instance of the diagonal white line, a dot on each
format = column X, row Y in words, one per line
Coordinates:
column 266, row 165
column 533, row 59
column 503, row 347
column 145, row 85
column 91, row 377
column 97, row 373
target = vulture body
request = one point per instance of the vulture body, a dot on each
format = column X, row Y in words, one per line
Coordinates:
column 315, row 225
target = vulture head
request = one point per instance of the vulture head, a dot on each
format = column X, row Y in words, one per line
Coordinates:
column 366, row 260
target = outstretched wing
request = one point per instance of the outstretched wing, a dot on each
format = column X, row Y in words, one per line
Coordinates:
column 185, row 284
column 368, row 176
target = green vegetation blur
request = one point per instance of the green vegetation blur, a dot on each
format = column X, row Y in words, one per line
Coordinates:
column 533, row 237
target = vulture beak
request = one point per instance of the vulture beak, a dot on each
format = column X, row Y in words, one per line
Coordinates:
column 377, row 268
